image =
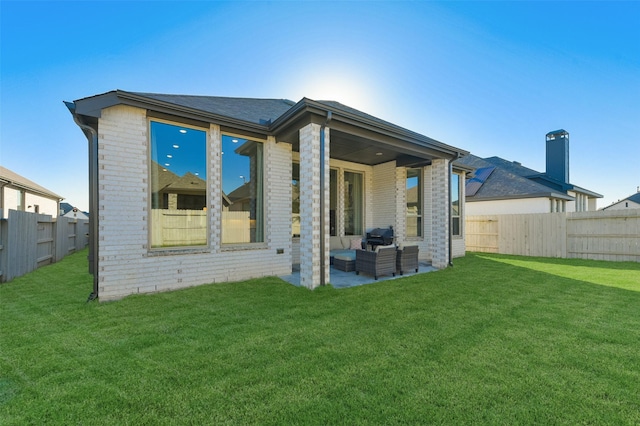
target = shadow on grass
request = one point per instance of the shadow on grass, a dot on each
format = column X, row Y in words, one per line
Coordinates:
column 624, row 275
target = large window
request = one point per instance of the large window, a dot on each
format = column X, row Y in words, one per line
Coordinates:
column 414, row 202
column 455, row 204
column 295, row 199
column 242, row 191
column 353, row 203
column 333, row 202
column 178, row 186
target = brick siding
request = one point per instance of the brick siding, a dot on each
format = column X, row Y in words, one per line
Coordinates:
column 127, row 266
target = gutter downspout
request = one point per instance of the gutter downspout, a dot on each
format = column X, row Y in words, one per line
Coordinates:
column 450, row 208
column 92, row 137
column 323, row 219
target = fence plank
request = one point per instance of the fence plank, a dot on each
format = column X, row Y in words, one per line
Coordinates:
column 30, row 240
column 3, row 247
column 21, row 244
column 482, row 233
column 605, row 235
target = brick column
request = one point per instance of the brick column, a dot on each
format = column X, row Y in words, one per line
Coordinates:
column 310, row 193
column 440, row 213
column 400, row 228
column 215, row 187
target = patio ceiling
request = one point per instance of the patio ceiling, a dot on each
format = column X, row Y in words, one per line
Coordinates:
column 356, row 149
column 360, row 138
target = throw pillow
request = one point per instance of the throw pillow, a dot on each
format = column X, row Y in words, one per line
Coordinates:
column 356, row 244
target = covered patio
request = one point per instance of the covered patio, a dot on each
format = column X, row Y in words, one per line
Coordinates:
column 342, row 279
column 330, row 142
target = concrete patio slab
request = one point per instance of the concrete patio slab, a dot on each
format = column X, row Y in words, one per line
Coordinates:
column 341, row 279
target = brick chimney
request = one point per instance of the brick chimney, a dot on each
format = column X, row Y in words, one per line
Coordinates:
column 558, row 155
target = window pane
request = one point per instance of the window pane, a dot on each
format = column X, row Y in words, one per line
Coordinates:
column 295, row 199
column 455, row 226
column 333, row 201
column 178, row 186
column 353, row 203
column 242, row 201
column 455, row 204
column 414, row 203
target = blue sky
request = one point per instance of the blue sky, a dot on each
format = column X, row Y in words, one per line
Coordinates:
column 489, row 77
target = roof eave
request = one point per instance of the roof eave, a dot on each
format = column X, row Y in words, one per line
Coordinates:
column 591, row 194
column 309, row 106
column 474, row 198
column 35, row 191
column 94, row 105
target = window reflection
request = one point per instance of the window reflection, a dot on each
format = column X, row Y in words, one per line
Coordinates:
column 178, row 186
column 455, row 204
column 414, row 202
column 353, row 203
column 242, row 191
column 295, row 199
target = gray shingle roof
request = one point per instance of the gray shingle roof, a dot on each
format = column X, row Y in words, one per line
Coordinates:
column 65, row 208
column 276, row 116
column 507, row 180
column 253, row 110
column 635, row 198
column 512, row 166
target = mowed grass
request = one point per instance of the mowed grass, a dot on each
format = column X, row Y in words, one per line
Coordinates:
column 493, row 340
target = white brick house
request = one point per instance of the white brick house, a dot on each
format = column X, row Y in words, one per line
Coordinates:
column 191, row 190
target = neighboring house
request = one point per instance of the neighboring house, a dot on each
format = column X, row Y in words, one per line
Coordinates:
column 199, row 189
column 499, row 186
column 19, row 193
column 67, row 210
column 631, row 202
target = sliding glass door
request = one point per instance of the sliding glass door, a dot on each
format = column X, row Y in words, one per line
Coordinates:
column 353, row 203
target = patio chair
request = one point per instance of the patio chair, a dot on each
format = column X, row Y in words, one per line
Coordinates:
column 382, row 261
column 407, row 258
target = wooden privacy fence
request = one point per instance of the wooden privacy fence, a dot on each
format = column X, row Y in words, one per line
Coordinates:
column 30, row 240
column 601, row 235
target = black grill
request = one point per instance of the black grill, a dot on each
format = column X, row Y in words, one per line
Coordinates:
column 380, row 237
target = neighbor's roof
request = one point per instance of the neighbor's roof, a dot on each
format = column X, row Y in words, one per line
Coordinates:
column 501, row 180
column 518, row 169
column 633, row 198
column 11, row 178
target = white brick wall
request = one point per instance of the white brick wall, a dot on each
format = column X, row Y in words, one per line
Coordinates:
column 126, row 266
column 278, row 197
column 310, row 193
column 426, row 246
column 440, row 213
column 400, row 190
column 384, row 195
column 215, row 187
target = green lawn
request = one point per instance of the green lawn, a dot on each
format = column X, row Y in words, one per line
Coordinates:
column 494, row 340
